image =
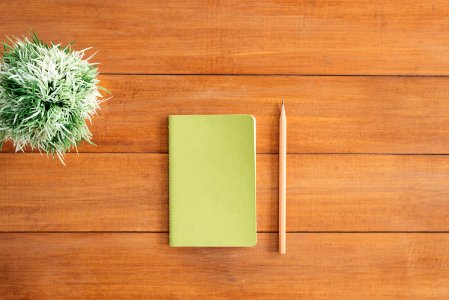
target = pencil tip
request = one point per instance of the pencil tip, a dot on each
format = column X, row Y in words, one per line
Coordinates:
column 282, row 108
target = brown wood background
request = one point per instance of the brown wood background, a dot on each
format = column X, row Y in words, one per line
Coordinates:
column 367, row 99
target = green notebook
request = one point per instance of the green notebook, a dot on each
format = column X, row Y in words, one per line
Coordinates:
column 212, row 181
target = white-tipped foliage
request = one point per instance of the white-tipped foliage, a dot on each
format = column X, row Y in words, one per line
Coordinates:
column 47, row 92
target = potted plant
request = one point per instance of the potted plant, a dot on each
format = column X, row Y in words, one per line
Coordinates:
column 47, row 93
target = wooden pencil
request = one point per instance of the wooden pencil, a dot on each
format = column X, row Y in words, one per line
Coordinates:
column 282, row 179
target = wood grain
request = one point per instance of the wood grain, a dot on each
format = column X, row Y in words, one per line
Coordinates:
column 326, row 114
column 142, row 266
column 97, row 228
column 241, row 37
column 128, row 192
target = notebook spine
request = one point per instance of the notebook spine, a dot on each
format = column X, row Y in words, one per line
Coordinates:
column 169, row 180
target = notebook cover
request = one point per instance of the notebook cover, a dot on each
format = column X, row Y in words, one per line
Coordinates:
column 212, row 181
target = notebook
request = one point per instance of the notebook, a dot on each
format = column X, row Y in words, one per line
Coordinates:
column 212, row 181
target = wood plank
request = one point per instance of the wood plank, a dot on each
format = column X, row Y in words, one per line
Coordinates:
column 236, row 37
column 325, row 114
column 142, row 266
column 128, row 192
column 94, row 192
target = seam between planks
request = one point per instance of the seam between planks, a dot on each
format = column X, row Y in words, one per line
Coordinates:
column 258, row 153
column 273, row 75
column 261, row 232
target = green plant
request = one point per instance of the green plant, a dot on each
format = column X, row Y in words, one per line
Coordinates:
column 47, row 92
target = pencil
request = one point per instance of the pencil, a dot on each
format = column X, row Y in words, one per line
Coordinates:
column 282, row 179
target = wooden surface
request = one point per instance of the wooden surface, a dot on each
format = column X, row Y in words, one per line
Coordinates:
column 129, row 192
column 135, row 265
column 326, row 114
column 246, row 37
column 368, row 156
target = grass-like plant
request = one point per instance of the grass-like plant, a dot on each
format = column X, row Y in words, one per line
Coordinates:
column 47, row 92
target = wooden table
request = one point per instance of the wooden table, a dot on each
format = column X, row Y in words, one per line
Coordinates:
column 367, row 98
